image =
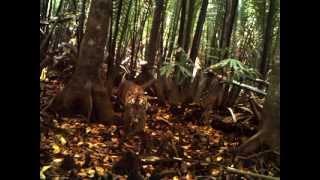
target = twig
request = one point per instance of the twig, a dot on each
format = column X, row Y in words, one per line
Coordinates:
column 167, row 122
column 233, row 170
column 232, row 115
column 41, row 31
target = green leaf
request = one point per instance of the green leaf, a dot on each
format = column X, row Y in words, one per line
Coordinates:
column 185, row 71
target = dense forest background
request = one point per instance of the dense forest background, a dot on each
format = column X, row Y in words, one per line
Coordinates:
column 209, row 74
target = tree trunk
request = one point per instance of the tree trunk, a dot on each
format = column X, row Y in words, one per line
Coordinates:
column 267, row 41
column 189, row 25
column 181, row 36
column 231, row 8
column 81, row 23
column 162, row 49
column 86, row 93
column 269, row 133
column 122, row 35
column 216, row 34
column 114, row 40
column 154, row 37
column 175, row 26
column 197, row 34
column 134, row 38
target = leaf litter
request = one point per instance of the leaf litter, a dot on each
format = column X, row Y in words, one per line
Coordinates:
column 71, row 148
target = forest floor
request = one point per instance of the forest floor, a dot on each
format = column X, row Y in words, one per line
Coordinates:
column 175, row 139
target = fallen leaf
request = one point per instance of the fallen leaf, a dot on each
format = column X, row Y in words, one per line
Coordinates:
column 186, row 147
column 44, row 169
column 57, row 162
column 100, row 170
column 91, row 173
column 88, row 129
column 189, row 176
column 215, row 172
column 82, row 174
column 56, row 149
column 62, row 140
column 114, row 140
column 219, row 158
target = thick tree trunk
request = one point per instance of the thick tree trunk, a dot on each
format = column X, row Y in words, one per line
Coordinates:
column 269, row 133
column 86, row 93
column 197, row 34
column 231, row 8
column 267, row 41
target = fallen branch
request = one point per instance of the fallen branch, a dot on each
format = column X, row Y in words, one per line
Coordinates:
column 247, row 87
column 233, row 170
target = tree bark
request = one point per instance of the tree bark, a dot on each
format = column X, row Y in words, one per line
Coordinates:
column 114, row 39
column 216, row 34
column 197, row 34
column 162, row 49
column 181, row 36
column 267, row 41
column 231, row 8
column 154, row 37
column 86, row 93
column 122, row 35
column 269, row 133
column 81, row 23
column 175, row 26
column 189, row 25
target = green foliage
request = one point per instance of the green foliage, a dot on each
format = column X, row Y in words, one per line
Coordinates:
column 183, row 67
column 167, row 69
column 235, row 68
